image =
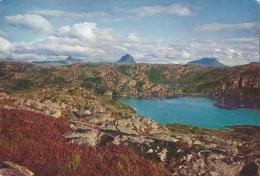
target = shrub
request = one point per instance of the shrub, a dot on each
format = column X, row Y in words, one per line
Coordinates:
column 23, row 84
column 36, row 142
column 115, row 94
column 100, row 90
column 91, row 82
column 59, row 80
column 139, row 85
column 125, row 69
column 155, row 76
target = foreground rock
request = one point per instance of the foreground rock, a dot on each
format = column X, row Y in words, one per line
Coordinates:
column 96, row 122
column 143, row 134
column 212, row 152
column 10, row 169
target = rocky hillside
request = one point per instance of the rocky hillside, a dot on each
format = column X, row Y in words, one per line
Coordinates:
column 139, row 80
column 78, row 116
column 78, row 131
column 66, row 126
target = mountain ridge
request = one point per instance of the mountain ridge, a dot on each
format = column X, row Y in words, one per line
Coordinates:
column 69, row 60
column 208, row 62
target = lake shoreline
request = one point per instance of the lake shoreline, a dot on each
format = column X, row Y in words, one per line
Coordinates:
column 223, row 102
column 182, row 110
column 227, row 128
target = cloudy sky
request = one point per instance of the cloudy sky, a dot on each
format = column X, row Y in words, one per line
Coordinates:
column 165, row 31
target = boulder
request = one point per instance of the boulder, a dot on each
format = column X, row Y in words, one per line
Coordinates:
column 11, row 169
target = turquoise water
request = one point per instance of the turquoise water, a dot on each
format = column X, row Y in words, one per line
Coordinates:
column 194, row 111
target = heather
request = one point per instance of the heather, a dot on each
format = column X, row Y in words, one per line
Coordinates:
column 36, row 142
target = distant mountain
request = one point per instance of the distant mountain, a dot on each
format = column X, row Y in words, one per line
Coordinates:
column 71, row 60
column 208, row 62
column 126, row 59
column 68, row 61
column 253, row 63
column 7, row 60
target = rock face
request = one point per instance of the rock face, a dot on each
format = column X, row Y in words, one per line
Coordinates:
column 126, row 59
column 240, row 90
column 208, row 62
column 10, row 169
column 143, row 134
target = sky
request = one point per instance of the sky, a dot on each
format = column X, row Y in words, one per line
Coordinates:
column 153, row 31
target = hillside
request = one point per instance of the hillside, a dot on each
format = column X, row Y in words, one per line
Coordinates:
column 140, row 80
column 97, row 134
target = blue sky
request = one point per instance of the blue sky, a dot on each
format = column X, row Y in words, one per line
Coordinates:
column 165, row 31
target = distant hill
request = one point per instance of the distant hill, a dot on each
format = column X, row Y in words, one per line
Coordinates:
column 208, row 62
column 126, row 59
column 68, row 61
column 71, row 60
column 253, row 63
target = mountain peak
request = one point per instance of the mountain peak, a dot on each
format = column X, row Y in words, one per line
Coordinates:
column 208, row 62
column 126, row 59
column 254, row 63
column 71, row 59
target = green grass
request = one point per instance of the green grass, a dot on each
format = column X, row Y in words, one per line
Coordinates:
column 189, row 129
column 155, row 76
column 23, row 84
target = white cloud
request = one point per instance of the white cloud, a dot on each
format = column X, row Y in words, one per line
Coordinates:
column 91, row 43
column 81, row 40
column 29, row 21
column 229, row 52
column 86, row 31
column 2, row 33
column 66, row 14
column 6, row 46
column 79, row 30
column 133, row 37
column 215, row 27
column 118, row 13
column 174, row 9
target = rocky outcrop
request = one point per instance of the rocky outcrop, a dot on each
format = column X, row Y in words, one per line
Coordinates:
column 213, row 152
column 11, row 169
column 97, row 122
column 247, row 78
column 143, row 134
